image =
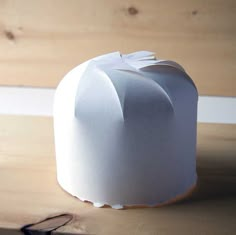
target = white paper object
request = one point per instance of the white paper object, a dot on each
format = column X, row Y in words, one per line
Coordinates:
column 125, row 130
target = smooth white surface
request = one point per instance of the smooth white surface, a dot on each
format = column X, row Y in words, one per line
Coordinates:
column 26, row 101
column 115, row 118
column 39, row 102
column 217, row 109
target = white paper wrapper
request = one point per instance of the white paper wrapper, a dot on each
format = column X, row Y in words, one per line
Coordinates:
column 125, row 130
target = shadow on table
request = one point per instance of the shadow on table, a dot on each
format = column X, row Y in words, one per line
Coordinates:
column 216, row 178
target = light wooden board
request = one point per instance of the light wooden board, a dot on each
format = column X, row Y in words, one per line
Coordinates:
column 42, row 40
column 29, row 191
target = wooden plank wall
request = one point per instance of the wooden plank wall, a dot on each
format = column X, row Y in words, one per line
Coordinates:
column 41, row 40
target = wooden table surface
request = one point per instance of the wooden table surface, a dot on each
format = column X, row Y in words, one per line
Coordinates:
column 29, row 191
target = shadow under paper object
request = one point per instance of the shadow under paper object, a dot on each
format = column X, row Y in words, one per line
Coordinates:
column 216, row 177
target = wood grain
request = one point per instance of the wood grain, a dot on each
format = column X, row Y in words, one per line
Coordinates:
column 29, row 192
column 42, row 40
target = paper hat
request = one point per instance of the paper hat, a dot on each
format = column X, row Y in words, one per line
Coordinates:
column 125, row 130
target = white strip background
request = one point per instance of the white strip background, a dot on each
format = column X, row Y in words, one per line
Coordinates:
column 39, row 102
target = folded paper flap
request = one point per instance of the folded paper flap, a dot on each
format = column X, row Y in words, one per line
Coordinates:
column 133, row 61
column 103, row 74
column 109, row 88
column 140, row 55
